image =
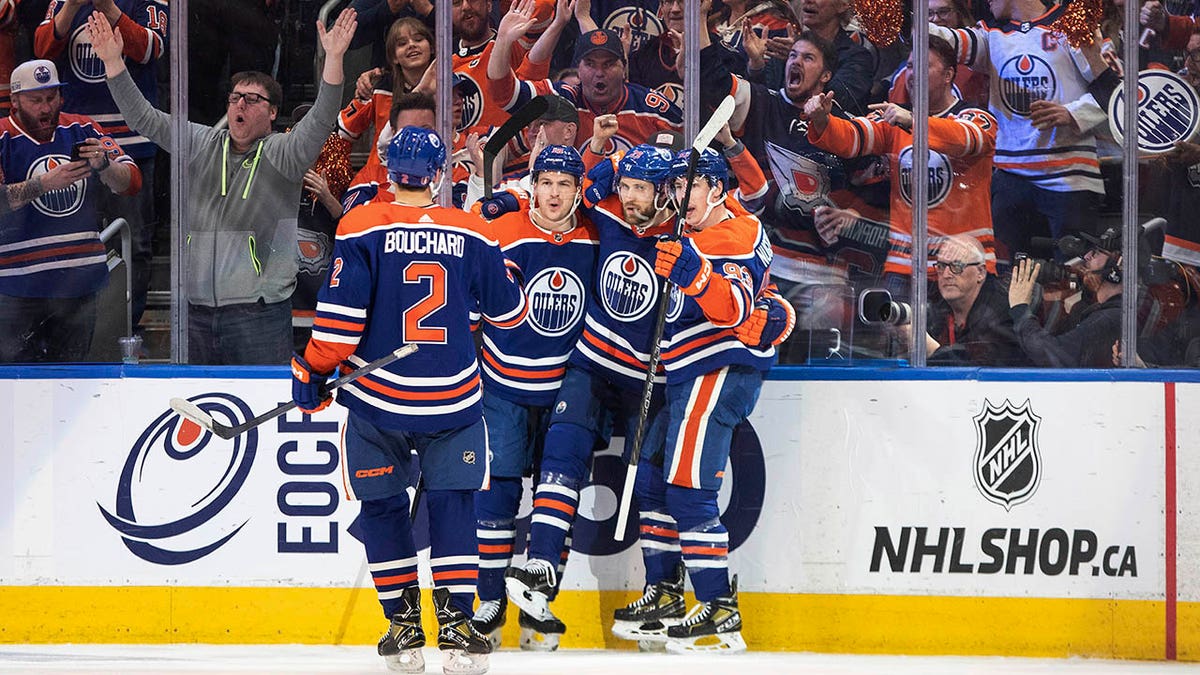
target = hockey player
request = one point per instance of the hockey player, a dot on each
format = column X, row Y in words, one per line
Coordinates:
column 607, row 370
column 713, row 380
column 555, row 248
column 413, row 272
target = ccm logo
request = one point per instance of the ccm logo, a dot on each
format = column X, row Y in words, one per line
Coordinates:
column 372, row 473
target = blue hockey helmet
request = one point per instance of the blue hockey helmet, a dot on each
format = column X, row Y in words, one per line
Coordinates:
column 710, row 164
column 414, row 157
column 561, row 158
column 646, row 162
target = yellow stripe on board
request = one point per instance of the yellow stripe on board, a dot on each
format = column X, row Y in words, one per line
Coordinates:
column 773, row 621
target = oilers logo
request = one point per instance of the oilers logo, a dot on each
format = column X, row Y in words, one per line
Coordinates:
column 803, row 182
column 628, row 286
column 1024, row 79
column 172, row 527
column 314, row 251
column 941, row 177
column 85, row 64
column 672, row 92
column 556, row 301
column 63, row 201
column 472, row 100
column 643, row 23
column 1168, row 111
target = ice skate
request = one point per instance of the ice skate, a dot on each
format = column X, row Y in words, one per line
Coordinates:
column 401, row 645
column 647, row 618
column 489, row 620
column 714, row 626
column 529, row 587
column 464, row 651
column 541, row 635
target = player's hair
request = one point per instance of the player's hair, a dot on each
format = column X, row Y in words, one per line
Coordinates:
column 268, row 83
column 828, row 53
column 393, row 36
column 410, row 101
column 944, row 51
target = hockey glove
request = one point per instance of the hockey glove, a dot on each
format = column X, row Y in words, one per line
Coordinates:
column 498, row 205
column 308, row 388
column 679, row 261
column 770, row 323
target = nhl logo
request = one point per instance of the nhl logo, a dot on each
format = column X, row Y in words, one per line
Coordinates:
column 469, row 457
column 1008, row 464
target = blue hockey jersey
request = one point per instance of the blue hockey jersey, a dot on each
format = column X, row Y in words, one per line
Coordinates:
column 143, row 27
column 619, row 322
column 405, row 274
column 51, row 246
column 526, row 364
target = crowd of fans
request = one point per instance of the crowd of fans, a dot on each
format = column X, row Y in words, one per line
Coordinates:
column 1021, row 157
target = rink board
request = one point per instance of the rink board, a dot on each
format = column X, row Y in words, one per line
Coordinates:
column 943, row 512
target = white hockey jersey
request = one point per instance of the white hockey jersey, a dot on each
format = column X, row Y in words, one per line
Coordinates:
column 1028, row 61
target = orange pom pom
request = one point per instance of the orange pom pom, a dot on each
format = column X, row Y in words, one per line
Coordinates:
column 1079, row 21
column 881, row 20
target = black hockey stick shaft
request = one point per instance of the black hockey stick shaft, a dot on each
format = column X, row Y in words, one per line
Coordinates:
column 193, row 412
column 521, row 118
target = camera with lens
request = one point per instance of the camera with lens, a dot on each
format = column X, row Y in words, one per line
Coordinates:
column 1051, row 273
column 875, row 306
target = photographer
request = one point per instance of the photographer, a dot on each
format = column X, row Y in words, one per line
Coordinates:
column 1089, row 343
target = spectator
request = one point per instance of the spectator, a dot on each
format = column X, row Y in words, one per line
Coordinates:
column 812, row 274
column 1047, row 169
column 408, row 110
column 377, row 18
column 970, row 86
column 961, row 142
column 54, row 263
column 603, row 90
column 410, row 47
column 855, row 71
column 240, row 35
column 969, row 323
column 1090, row 342
column 143, row 26
column 653, row 65
column 242, row 250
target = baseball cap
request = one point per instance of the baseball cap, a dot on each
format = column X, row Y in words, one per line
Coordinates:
column 559, row 110
column 599, row 40
column 34, row 75
column 671, row 140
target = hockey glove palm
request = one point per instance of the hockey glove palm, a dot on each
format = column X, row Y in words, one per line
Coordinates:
column 679, row 261
column 308, row 388
column 770, row 323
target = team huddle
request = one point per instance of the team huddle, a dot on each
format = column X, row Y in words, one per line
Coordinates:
column 563, row 291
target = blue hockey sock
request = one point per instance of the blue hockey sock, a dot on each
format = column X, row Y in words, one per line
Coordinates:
column 495, row 523
column 453, row 550
column 391, row 554
column 659, row 535
column 703, row 539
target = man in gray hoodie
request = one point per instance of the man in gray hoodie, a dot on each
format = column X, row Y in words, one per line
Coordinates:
column 241, row 212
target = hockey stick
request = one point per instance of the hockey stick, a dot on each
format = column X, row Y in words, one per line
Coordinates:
column 719, row 117
column 193, row 412
column 523, row 117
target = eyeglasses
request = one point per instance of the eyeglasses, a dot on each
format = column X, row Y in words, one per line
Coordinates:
column 941, row 12
column 250, row 98
column 956, row 267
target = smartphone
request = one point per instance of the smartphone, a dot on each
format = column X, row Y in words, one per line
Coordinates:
column 75, row 156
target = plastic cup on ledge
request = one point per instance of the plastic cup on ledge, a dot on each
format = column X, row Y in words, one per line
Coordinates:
column 131, row 349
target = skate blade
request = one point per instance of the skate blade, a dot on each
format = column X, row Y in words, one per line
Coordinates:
column 532, row 603
column 459, row 662
column 634, row 630
column 722, row 643
column 533, row 641
column 407, row 661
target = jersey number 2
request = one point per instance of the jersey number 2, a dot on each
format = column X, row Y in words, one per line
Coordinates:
column 415, row 316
